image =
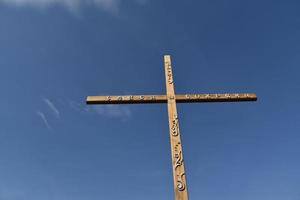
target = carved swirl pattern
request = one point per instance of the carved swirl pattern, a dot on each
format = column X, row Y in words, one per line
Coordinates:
column 178, row 157
column 180, row 183
column 175, row 126
column 179, row 163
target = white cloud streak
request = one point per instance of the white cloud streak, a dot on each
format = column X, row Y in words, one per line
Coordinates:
column 52, row 107
column 72, row 5
column 44, row 119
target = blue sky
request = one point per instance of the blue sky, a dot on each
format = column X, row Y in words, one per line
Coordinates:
column 55, row 53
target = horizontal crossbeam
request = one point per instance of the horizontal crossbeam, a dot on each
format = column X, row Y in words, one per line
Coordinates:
column 188, row 98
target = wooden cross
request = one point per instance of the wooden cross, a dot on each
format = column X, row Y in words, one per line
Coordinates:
column 179, row 176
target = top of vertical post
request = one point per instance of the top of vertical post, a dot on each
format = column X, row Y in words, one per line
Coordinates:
column 169, row 77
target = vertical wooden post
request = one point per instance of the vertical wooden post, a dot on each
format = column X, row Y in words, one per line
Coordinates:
column 180, row 184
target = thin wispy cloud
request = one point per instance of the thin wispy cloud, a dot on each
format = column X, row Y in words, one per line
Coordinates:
column 72, row 5
column 115, row 111
column 44, row 119
column 111, row 111
column 49, row 111
column 52, row 107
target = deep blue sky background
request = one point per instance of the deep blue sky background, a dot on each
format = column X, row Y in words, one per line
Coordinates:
column 54, row 147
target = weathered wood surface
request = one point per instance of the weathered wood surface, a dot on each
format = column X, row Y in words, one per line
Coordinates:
column 180, row 184
column 187, row 98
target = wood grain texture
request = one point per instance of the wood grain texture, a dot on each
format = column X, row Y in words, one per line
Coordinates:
column 180, row 184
